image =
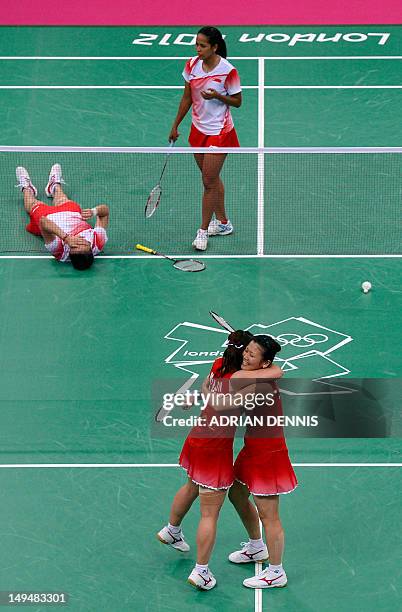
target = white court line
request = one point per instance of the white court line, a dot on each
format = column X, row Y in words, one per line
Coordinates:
column 181, row 87
column 258, row 570
column 192, row 255
column 185, row 57
column 261, row 157
column 192, row 150
column 173, row 465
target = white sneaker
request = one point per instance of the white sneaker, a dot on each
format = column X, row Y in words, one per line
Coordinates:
column 216, row 228
column 249, row 554
column 55, row 178
column 204, row 581
column 24, row 181
column 176, row 541
column 267, row 580
column 201, row 240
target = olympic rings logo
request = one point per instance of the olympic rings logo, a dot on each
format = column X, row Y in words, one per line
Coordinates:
column 300, row 341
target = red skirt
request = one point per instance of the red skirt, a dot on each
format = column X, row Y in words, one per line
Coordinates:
column 209, row 461
column 263, row 465
column 198, row 139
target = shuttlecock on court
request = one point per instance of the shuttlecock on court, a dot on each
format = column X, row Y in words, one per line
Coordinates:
column 366, row 286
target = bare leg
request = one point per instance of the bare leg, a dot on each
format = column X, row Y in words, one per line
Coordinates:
column 220, row 212
column 59, row 197
column 29, row 199
column 199, row 158
column 268, row 509
column 213, row 200
column 210, row 505
column 239, row 496
column 182, row 502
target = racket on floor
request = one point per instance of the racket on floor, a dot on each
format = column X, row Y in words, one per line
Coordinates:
column 221, row 321
column 185, row 265
column 155, row 195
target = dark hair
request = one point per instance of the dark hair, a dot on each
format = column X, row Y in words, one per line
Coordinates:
column 82, row 261
column 215, row 38
column 268, row 345
column 233, row 355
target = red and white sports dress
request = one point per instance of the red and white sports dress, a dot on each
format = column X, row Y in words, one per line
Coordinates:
column 263, row 463
column 212, row 123
column 207, row 453
column 68, row 218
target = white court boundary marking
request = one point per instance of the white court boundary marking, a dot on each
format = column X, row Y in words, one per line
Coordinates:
column 185, row 57
column 260, row 157
column 173, row 465
column 261, row 65
column 181, row 87
column 195, row 255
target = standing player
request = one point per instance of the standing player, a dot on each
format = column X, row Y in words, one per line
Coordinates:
column 207, row 457
column 263, row 469
column 212, row 86
column 63, row 226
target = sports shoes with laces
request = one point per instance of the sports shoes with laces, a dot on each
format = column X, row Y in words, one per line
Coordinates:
column 205, row 581
column 55, row 178
column 267, row 579
column 24, row 181
column 249, row 554
column 201, row 240
column 176, row 541
column 216, row 228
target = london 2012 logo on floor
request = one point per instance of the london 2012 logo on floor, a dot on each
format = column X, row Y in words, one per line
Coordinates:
column 308, row 349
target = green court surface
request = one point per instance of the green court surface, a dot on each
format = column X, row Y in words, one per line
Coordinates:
column 86, row 483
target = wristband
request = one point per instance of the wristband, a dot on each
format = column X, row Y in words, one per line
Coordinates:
column 95, row 211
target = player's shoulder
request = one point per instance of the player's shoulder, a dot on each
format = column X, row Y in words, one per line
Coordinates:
column 238, row 374
column 192, row 64
column 226, row 65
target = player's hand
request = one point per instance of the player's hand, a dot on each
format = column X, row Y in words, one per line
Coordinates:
column 174, row 134
column 87, row 214
column 209, row 94
column 76, row 241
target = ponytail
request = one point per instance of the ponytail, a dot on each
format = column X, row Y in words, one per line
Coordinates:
column 215, row 38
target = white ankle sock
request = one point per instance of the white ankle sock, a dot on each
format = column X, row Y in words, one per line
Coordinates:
column 203, row 569
column 175, row 529
column 275, row 568
column 256, row 543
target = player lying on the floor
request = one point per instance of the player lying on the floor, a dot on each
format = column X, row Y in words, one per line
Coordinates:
column 63, row 226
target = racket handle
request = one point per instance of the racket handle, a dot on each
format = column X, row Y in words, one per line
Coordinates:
column 140, row 247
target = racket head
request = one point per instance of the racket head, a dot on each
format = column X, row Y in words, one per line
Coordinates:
column 189, row 265
column 221, row 321
column 153, row 201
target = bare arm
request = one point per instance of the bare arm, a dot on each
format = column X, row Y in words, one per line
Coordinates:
column 273, row 372
column 101, row 212
column 184, row 107
column 102, row 216
column 233, row 100
column 50, row 230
